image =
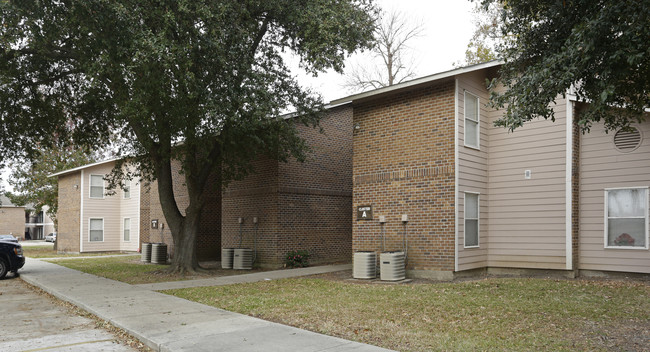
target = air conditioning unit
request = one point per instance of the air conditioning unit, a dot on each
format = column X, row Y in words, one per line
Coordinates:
column 392, row 266
column 158, row 253
column 364, row 265
column 226, row 257
column 242, row 259
column 146, row 253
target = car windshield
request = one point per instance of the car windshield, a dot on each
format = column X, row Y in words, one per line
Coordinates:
column 6, row 237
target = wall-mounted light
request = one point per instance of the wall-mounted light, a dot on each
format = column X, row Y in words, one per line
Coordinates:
column 76, row 186
column 357, row 127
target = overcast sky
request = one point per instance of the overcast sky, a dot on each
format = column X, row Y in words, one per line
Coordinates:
column 447, row 29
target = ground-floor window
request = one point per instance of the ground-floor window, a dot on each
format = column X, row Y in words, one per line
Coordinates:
column 626, row 217
column 471, row 219
column 96, row 230
column 127, row 229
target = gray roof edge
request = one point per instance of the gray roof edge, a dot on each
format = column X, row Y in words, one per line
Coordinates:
column 417, row 81
column 81, row 167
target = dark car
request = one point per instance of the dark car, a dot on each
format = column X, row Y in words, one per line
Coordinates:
column 8, row 238
column 11, row 258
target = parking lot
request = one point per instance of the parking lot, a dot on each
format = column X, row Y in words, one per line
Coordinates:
column 34, row 322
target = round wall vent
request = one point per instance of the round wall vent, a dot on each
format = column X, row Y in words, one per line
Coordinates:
column 627, row 140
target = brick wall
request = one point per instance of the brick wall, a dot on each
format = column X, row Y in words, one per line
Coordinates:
column 12, row 221
column 67, row 239
column 403, row 163
column 299, row 205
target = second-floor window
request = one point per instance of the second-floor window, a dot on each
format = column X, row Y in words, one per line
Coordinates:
column 96, row 186
column 472, row 125
column 127, row 189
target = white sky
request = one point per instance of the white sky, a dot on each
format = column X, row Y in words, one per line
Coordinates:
column 447, row 29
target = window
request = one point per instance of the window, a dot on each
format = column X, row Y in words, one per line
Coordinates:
column 127, row 189
column 96, row 230
column 471, row 220
column 472, row 127
column 626, row 214
column 96, row 186
column 127, row 229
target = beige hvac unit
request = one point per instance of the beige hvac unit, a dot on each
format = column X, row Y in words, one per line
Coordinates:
column 364, row 265
column 226, row 257
column 158, row 253
column 146, row 253
column 242, row 259
column 392, row 266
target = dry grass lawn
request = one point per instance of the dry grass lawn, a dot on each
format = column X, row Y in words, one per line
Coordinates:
column 49, row 252
column 492, row 314
column 131, row 270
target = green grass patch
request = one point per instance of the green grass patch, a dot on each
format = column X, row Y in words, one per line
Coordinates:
column 49, row 252
column 490, row 314
column 131, row 270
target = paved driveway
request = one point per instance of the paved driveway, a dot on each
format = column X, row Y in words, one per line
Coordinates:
column 31, row 321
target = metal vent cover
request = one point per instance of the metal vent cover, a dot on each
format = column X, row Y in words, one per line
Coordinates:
column 364, row 265
column 392, row 266
column 627, row 140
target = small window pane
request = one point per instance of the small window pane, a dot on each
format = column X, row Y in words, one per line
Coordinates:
column 471, row 133
column 96, row 230
column 471, row 107
column 626, row 203
column 626, row 233
column 96, row 186
column 471, row 206
column 471, row 233
column 127, row 189
column 127, row 229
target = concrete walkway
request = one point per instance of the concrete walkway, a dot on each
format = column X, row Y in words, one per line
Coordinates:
column 168, row 323
column 252, row 277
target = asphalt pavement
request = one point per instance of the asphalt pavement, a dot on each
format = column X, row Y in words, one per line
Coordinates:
column 34, row 322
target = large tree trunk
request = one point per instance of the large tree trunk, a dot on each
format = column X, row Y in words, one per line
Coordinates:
column 185, row 259
column 184, row 229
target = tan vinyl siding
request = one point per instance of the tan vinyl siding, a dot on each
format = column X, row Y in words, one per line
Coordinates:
column 527, row 217
column 602, row 167
column 130, row 208
column 473, row 171
column 112, row 209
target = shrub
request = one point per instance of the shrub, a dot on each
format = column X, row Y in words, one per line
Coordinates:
column 297, row 259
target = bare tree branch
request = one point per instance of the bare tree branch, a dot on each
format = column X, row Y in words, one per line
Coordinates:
column 390, row 54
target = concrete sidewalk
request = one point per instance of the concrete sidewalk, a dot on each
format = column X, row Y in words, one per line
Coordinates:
column 168, row 323
column 252, row 277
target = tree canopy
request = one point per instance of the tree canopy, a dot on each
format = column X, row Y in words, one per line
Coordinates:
column 202, row 82
column 30, row 178
column 598, row 48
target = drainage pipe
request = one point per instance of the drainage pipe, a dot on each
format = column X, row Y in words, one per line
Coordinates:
column 405, row 243
column 256, row 225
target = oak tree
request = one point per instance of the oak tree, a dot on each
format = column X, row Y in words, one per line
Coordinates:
column 200, row 82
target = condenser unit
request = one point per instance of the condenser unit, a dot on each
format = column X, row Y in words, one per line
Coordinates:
column 364, row 265
column 392, row 266
column 242, row 259
column 226, row 257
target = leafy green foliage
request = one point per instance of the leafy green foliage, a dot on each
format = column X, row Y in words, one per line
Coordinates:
column 297, row 259
column 30, row 180
column 209, row 74
column 482, row 47
column 598, row 47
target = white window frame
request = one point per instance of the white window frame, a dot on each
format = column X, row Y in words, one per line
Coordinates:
column 127, row 186
column 103, row 230
column 124, row 229
column 478, row 121
column 90, row 186
column 647, row 212
column 478, row 220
